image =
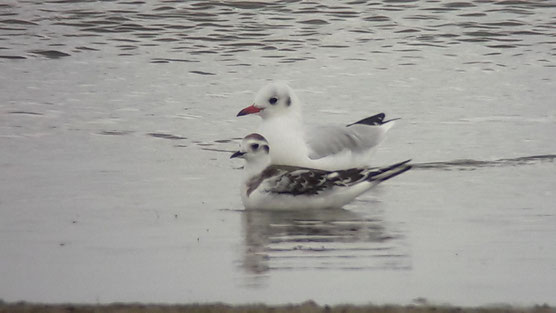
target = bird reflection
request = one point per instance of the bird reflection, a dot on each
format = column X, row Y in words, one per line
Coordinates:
column 319, row 239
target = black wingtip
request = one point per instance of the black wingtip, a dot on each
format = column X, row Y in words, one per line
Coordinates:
column 400, row 170
column 388, row 172
column 374, row 120
column 400, row 163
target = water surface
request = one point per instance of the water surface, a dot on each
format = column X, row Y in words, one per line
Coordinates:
column 117, row 118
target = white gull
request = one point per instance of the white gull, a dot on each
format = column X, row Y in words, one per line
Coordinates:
column 329, row 147
column 268, row 186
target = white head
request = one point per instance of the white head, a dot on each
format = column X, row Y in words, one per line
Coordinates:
column 274, row 99
column 255, row 150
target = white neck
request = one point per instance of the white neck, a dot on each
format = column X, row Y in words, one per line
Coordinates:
column 285, row 134
column 255, row 166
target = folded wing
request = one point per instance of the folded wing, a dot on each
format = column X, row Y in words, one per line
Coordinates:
column 324, row 141
column 292, row 180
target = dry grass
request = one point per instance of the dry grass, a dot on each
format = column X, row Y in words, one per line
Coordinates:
column 307, row 307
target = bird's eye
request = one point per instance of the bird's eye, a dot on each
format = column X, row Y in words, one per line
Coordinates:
column 255, row 146
column 272, row 100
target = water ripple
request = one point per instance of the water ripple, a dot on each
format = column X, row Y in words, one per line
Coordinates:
column 467, row 164
column 322, row 239
column 213, row 27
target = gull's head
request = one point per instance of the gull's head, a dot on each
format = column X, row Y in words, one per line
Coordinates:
column 274, row 99
column 253, row 147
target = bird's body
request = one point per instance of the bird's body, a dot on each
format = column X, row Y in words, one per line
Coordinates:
column 269, row 186
column 327, row 147
column 290, row 187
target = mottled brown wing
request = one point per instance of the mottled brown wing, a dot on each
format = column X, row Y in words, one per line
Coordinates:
column 304, row 181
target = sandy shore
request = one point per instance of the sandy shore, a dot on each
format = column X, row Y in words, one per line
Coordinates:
column 307, row 307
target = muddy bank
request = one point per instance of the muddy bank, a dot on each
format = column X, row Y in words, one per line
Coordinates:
column 306, row 307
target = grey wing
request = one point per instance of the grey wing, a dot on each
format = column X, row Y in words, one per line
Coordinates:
column 324, row 141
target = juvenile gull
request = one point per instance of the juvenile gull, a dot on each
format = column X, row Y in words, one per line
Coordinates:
column 269, row 186
column 329, row 147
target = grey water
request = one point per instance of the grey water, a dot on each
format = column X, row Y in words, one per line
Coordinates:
column 117, row 119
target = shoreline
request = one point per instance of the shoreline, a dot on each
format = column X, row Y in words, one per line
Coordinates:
column 305, row 307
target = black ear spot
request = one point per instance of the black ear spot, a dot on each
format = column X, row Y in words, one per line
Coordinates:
column 289, row 101
column 266, row 148
column 273, row 100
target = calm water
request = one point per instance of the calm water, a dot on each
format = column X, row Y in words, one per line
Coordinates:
column 117, row 118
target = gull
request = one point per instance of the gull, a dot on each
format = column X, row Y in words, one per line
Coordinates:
column 271, row 187
column 328, row 147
